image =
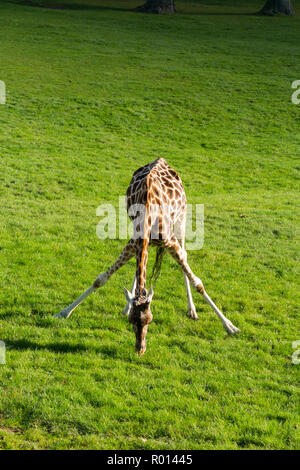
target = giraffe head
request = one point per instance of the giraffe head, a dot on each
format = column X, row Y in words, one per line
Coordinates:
column 140, row 316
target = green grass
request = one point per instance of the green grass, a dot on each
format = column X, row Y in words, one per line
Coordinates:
column 94, row 93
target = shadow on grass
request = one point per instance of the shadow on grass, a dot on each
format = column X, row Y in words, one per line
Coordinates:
column 219, row 13
column 72, row 6
column 78, row 7
column 25, row 345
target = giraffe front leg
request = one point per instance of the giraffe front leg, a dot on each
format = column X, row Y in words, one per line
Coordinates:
column 180, row 256
column 125, row 256
column 99, row 282
column 228, row 326
column 66, row 312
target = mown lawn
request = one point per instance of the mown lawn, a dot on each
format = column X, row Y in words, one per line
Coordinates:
column 93, row 92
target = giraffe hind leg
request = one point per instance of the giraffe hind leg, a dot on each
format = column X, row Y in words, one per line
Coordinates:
column 191, row 306
column 180, row 227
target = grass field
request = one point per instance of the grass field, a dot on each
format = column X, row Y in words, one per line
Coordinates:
column 93, row 92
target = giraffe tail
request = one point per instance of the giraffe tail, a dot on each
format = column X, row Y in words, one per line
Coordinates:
column 160, row 251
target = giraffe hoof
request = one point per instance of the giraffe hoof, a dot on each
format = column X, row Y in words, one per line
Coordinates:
column 65, row 313
column 193, row 314
column 230, row 328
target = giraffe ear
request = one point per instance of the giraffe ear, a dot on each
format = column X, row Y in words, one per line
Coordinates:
column 150, row 295
column 128, row 295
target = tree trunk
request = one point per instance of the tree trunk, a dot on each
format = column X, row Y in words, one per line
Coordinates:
column 277, row 6
column 158, row 6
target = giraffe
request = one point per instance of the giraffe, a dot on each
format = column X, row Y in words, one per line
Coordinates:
column 156, row 204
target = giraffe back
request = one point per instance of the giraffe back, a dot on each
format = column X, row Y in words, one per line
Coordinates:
column 157, row 185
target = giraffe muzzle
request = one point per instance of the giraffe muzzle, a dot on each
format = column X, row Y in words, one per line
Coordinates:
column 140, row 348
column 141, row 351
